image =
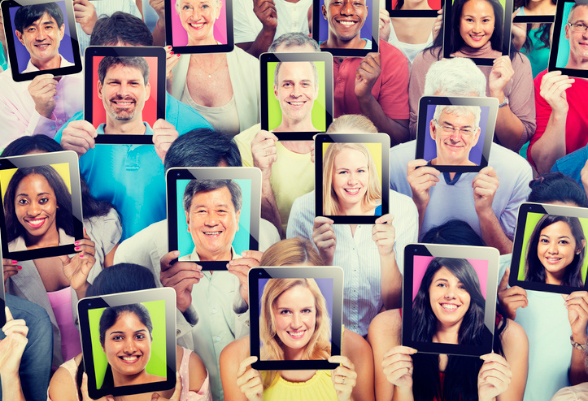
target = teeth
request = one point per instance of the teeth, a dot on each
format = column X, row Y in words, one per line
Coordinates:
column 297, row 334
column 130, row 358
column 35, row 222
column 347, row 23
column 449, row 306
column 213, row 233
column 197, row 25
column 352, row 191
column 296, row 103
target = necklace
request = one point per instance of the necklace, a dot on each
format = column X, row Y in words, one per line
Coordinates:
column 207, row 72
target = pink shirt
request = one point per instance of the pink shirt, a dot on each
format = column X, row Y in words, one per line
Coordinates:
column 390, row 89
column 70, row 337
column 18, row 116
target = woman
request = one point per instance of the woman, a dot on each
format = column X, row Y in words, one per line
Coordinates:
column 288, row 329
column 350, row 181
column 69, row 383
column 50, row 282
column 477, row 33
column 352, row 380
column 198, row 17
column 119, row 325
column 449, row 295
column 37, row 209
column 555, row 254
column 404, row 374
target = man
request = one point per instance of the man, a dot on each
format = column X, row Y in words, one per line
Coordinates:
column 213, row 304
column 133, row 179
column 40, row 29
column 478, row 199
column 296, row 87
column 212, row 210
column 455, row 130
column 258, row 23
column 375, row 86
column 280, row 162
column 562, row 112
column 123, row 87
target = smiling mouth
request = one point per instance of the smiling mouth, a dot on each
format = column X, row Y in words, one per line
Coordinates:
column 297, row 335
column 123, row 103
column 37, row 223
column 477, row 38
column 346, row 23
column 553, row 260
column 296, row 104
column 212, row 233
column 197, row 26
column 449, row 307
column 42, row 46
column 130, row 359
column 352, row 191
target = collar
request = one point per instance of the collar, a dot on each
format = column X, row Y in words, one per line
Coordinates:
column 32, row 68
column 19, row 244
column 100, row 129
column 449, row 181
column 194, row 257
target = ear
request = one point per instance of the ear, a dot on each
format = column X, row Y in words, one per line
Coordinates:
column 188, row 220
column 433, row 130
column 324, row 10
column 99, row 90
column 567, row 29
column 237, row 215
column 476, row 137
column 218, row 9
column 147, row 91
column 19, row 36
column 61, row 31
column 583, row 244
column 275, row 91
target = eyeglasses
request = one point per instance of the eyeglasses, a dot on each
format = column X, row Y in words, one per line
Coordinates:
column 578, row 27
column 449, row 130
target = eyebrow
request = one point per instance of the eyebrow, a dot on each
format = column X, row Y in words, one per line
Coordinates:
column 218, row 205
column 562, row 236
column 304, row 307
column 40, row 193
column 122, row 332
column 293, row 81
column 463, row 126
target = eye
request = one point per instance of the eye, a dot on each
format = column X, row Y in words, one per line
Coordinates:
column 544, row 241
column 31, row 29
column 342, row 172
column 222, row 211
column 442, row 285
column 307, row 311
column 564, row 242
column 469, row 20
column 117, row 338
column 285, row 312
column 23, row 201
column 140, row 336
column 42, row 201
column 361, row 170
column 186, row 7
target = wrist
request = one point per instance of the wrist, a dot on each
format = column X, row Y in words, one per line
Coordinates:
column 485, row 213
column 365, row 99
column 498, row 94
column 266, row 30
column 579, row 337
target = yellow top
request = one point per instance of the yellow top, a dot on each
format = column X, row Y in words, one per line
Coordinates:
column 318, row 388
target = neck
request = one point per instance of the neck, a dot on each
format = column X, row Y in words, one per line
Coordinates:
column 209, row 40
column 357, row 209
column 304, row 125
column 554, row 279
column 439, row 161
column 129, row 380
column 336, row 43
column 301, row 147
column 421, row 5
column 116, row 127
column 297, row 376
column 447, row 334
column 52, row 63
column 224, row 254
column 49, row 239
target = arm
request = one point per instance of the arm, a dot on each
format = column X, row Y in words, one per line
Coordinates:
column 421, row 178
column 237, row 374
column 577, row 306
column 62, row 387
column 265, row 11
column 198, row 373
column 516, row 352
column 359, row 354
column 159, row 30
column 11, row 350
column 550, row 143
column 384, row 235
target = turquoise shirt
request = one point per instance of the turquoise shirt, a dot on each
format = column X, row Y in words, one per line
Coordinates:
column 538, row 55
column 132, row 177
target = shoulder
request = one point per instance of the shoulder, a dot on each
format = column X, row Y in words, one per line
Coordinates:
column 508, row 163
column 520, row 60
column 197, row 369
column 355, row 347
column 63, row 385
column 402, row 153
column 235, row 352
column 248, row 135
column 425, row 58
column 573, row 162
column 385, row 323
column 572, row 393
column 514, row 335
column 241, row 56
column 392, row 58
column 400, row 203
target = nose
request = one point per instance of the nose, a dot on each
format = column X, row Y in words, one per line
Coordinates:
column 352, row 178
column 210, row 221
column 553, row 248
column 347, row 8
column 34, row 209
column 296, row 321
column 41, row 35
column 195, row 14
column 129, row 346
column 449, row 292
column 123, row 89
column 296, row 91
column 478, row 27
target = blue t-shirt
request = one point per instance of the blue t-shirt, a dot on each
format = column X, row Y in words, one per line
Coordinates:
column 378, row 211
column 132, row 177
column 572, row 165
column 368, row 44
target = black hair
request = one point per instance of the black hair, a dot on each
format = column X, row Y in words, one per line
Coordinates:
column 541, row 34
column 203, row 147
column 455, row 232
column 556, row 187
column 26, row 144
column 455, row 40
column 136, row 62
column 195, row 186
column 122, row 277
column 535, row 269
column 63, row 216
column 25, row 16
column 524, row 3
column 121, row 27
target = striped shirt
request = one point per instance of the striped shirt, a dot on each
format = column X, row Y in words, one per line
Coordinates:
column 358, row 255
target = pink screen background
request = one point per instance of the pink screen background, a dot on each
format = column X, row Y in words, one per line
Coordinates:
column 420, row 264
column 434, row 4
column 150, row 108
column 219, row 30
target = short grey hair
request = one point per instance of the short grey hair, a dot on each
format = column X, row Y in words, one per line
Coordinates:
column 576, row 5
column 293, row 39
column 314, row 73
column 196, row 186
column 459, row 111
column 457, row 76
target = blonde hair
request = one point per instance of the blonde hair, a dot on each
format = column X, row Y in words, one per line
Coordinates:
column 319, row 345
column 352, row 124
column 373, row 195
column 292, row 251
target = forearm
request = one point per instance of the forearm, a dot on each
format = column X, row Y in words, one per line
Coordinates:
column 402, row 394
column 159, row 33
column 11, row 388
column 391, row 282
column 269, row 207
column 262, row 43
column 371, row 109
column 492, row 232
column 552, row 144
column 509, row 128
column 577, row 373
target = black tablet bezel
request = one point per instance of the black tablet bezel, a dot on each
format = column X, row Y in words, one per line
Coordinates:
column 214, row 173
column 532, row 19
column 168, row 295
column 222, row 48
column 450, row 251
column 382, row 139
column 375, row 21
column 124, row 51
column 43, row 159
column 506, row 34
column 2, row 298
column 325, row 58
column 332, row 272
column 554, row 50
column 517, row 249
column 10, row 38
column 412, row 13
column 422, row 123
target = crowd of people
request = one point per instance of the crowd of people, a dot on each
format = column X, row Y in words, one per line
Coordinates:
column 212, row 119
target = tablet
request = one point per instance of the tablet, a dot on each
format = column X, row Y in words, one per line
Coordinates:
column 454, row 134
column 2, row 299
column 364, row 23
column 129, row 335
column 41, row 204
column 530, row 19
column 296, row 94
column 501, row 36
column 549, row 248
column 406, row 9
column 354, row 173
column 124, row 87
column 199, row 26
column 54, row 51
column 213, row 213
column 568, row 53
column 315, row 296
column 445, row 285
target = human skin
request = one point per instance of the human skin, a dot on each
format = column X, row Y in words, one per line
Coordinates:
column 198, row 17
column 578, row 40
column 556, row 250
column 350, row 180
column 295, row 316
column 213, row 223
column 454, row 148
column 476, row 23
column 345, row 19
column 42, row 39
